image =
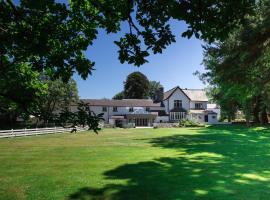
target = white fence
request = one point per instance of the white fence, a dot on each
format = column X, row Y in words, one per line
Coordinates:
column 36, row 131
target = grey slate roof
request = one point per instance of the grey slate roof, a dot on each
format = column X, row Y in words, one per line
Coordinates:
column 168, row 93
column 122, row 103
column 192, row 94
column 196, row 94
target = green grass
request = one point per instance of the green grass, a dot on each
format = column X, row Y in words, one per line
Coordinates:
column 217, row 162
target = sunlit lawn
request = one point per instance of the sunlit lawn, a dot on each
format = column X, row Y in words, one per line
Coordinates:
column 222, row 162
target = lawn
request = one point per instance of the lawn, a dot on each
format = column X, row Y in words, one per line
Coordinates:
column 216, row 162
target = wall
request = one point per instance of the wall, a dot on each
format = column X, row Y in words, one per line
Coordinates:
column 109, row 113
column 177, row 95
column 212, row 120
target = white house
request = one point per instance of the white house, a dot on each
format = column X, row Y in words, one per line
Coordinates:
column 170, row 106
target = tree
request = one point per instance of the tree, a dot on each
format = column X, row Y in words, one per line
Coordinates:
column 154, row 87
column 239, row 67
column 136, row 86
column 119, row 96
column 20, row 92
column 60, row 95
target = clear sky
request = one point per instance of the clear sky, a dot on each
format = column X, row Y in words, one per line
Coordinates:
column 175, row 66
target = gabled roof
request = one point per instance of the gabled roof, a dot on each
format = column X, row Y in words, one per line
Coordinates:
column 192, row 94
column 169, row 93
column 122, row 103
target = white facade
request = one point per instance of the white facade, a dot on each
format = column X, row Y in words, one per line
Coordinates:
column 177, row 104
column 177, row 95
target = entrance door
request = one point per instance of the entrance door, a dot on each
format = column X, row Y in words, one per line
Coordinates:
column 206, row 118
column 118, row 123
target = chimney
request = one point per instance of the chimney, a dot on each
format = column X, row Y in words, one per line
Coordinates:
column 159, row 95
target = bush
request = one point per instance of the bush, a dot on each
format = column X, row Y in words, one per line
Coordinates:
column 188, row 123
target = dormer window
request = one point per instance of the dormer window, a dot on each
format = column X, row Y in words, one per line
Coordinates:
column 198, row 106
column 177, row 103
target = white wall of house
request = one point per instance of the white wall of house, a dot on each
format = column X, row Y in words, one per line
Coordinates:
column 177, row 95
column 212, row 119
column 166, row 106
column 120, row 111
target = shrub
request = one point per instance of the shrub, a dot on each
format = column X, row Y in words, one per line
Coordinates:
column 188, row 123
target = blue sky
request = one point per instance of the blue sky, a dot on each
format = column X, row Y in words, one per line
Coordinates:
column 175, row 66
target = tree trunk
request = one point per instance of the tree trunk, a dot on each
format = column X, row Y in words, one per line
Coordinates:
column 264, row 118
column 256, row 112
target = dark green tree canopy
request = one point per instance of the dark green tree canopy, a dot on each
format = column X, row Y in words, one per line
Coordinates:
column 154, row 87
column 119, row 96
column 136, row 86
column 238, row 68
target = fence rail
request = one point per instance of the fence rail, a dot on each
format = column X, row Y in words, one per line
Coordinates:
column 36, row 131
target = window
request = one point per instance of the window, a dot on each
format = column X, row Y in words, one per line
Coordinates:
column 177, row 115
column 177, row 103
column 131, row 109
column 198, row 106
column 147, row 109
column 114, row 109
column 104, row 109
column 213, row 117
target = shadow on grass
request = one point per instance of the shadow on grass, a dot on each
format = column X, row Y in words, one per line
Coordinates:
column 217, row 163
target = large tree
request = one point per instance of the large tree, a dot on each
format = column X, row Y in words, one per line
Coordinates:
column 136, row 86
column 239, row 67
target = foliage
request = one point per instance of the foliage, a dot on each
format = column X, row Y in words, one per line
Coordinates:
column 239, row 67
column 20, row 91
column 188, row 123
column 154, row 87
column 208, row 20
column 60, row 95
column 119, row 96
column 136, row 86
